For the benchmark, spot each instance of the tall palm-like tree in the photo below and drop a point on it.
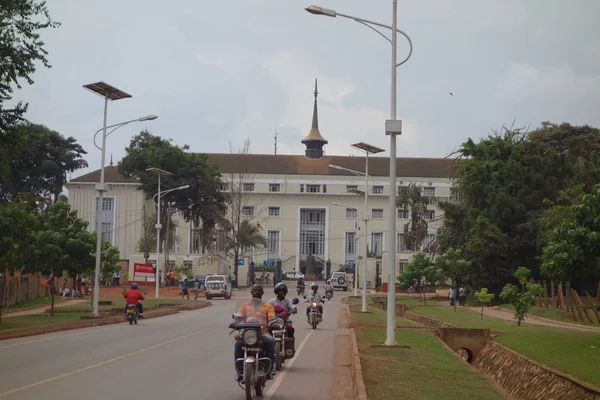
(411, 198)
(246, 235)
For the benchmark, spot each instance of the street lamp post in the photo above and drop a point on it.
(108, 93)
(368, 149)
(356, 241)
(393, 127)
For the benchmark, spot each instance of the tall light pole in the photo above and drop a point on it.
(356, 241)
(368, 149)
(393, 127)
(108, 93)
(158, 227)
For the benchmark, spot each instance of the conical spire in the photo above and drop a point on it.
(314, 135)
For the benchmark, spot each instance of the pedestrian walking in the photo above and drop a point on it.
(461, 295)
(196, 289)
(451, 296)
(184, 289)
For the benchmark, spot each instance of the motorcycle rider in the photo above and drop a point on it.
(281, 291)
(134, 296)
(328, 288)
(257, 309)
(300, 285)
(314, 297)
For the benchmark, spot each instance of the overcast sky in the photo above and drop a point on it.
(221, 71)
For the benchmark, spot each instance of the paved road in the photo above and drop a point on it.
(186, 354)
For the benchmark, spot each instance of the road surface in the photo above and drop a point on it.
(189, 354)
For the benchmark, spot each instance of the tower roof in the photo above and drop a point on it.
(314, 135)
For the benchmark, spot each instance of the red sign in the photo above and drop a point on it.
(143, 270)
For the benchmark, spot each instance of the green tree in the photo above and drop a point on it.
(573, 249)
(246, 235)
(18, 224)
(21, 49)
(109, 259)
(484, 298)
(42, 164)
(420, 269)
(523, 298)
(411, 198)
(453, 266)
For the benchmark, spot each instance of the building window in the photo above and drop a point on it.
(313, 188)
(274, 187)
(350, 247)
(402, 264)
(376, 243)
(273, 211)
(350, 212)
(248, 187)
(377, 213)
(172, 238)
(351, 187)
(377, 189)
(301, 188)
(324, 188)
(428, 239)
(108, 219)
(273, 244)
(428, 191)
(188, 264)
(430, 214)
(400, 243)
(402, 214)
(248, 211)
(224, 187)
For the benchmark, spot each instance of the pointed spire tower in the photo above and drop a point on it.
(314, 141)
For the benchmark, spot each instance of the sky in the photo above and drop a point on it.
(217, 72)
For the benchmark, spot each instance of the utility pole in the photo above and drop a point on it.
(145, 236)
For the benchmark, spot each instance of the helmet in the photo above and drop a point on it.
(134, 285)
(280, 286)
(314, 286)
(328, 280)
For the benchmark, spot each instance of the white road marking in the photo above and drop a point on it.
(283, 373)
(112, 360)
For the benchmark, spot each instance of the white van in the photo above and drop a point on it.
(217, 286)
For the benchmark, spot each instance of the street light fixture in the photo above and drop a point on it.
(108, 93)
(393, 127)
(356, 241)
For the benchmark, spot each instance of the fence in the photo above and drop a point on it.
(19, 288)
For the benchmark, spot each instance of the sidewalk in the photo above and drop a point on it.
(42, 309)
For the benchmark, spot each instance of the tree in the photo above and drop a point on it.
(420, 269)
(453, 266)
(200, 204)
(109, 260)
(573, 249)
(411, 198)
(523, 298)
(20, 50)
(484, 298)
(237, 221)
(18, 223)
(41, 164)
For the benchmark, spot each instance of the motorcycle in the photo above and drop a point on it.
(314, 316)
(256, 365)
(300, 290)
(329, 295)
(284, 345)
(132, 314)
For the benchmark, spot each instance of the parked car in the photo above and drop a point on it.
(293, 274)
(339, 280)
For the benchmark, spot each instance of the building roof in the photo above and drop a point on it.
(284, 164)
(111, 175)
(314, 135)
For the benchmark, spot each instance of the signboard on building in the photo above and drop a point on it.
(143, 271)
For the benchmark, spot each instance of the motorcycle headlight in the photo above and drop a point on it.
(314, 304)
(250, 338)
(280, 324)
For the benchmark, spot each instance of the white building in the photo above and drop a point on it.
(291, 197)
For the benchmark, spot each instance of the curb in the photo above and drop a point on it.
(19, 333)
(359, 391)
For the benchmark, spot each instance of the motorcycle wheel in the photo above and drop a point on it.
(130, 321)
(278, 356)
(135, 321)
(314, 323)
(249, 380)
(258, 387)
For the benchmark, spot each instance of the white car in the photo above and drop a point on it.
(294, 275)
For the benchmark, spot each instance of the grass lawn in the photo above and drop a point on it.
(559, 315)
(377, 317)
(428, 370)
(38, 302)
(31, 321)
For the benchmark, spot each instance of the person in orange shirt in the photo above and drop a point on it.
(261, 312)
